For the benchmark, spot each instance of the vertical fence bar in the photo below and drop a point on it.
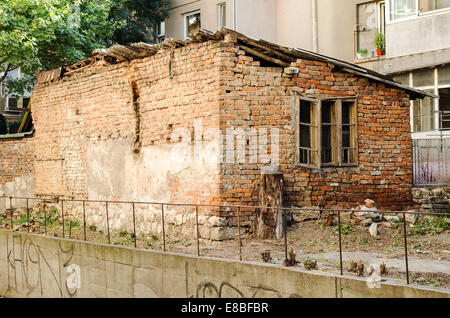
(45, 219)
(163, 230)
(239, 232)
(285, 235)
(11, 213)
(62, 213)
(406, 248)
(84, 220)
(107, 222)
(134, 226)
(198, 233)
(28, 217)
(340, 242)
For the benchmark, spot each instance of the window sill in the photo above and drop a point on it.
(327, 167)
(370, 59)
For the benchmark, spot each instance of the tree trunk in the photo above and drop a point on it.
(269, 222)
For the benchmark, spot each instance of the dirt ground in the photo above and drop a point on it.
(428, 245)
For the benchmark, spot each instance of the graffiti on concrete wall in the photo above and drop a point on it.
(30, 271)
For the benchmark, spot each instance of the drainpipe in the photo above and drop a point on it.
(233, 12)
(315, 29)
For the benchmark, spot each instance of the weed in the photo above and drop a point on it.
(430, 225)
(364, 241)
(345, 229)
(436, 282)
(21, 220)
(291, 239)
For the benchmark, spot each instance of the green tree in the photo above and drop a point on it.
(141, 16)
(38, 35)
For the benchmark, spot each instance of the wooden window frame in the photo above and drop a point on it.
(318, 136)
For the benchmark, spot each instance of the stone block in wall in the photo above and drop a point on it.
(306, 213)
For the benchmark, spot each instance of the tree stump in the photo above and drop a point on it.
(269, 223)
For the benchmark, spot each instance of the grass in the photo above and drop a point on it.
(430, 225)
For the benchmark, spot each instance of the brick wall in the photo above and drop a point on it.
(260, 97)
(105, 132)
(110, 127)
(16, 159)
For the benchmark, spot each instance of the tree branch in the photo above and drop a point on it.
(5, 74)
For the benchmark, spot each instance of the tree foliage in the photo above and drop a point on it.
(141, 16)
(37, 35)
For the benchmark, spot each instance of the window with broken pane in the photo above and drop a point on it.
(193, 23)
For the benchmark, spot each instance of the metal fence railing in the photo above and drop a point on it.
(77, 217)
(431, 162)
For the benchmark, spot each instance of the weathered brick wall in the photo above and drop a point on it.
(16, 170)
(106, 132)
(260, 97)
(16, 159)
(110, 127)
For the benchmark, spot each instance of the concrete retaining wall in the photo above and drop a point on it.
(37, 266)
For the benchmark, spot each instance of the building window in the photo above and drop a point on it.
(160, 32)
(222, 15)
(424, 115)
(429, 113)
(326, 134)
(370, 21)
(400, 9)
(444, 75)
(192, 22)
(431, 5)
(444, 108)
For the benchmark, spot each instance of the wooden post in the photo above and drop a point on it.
(269, 222)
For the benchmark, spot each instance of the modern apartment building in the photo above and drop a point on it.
(416, 38)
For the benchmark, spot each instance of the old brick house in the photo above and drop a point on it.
(105, 126)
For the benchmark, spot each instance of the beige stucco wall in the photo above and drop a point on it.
(209, 15)
(336, 19)
(286, 22)
(257, 18)
(38, 266)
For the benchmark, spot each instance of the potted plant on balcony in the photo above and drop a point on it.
(362, 53)
(379, 44)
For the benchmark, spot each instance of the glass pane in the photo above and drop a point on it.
(416, 116)
(423, 77)
(402, 9)
(328, 113)
(444, 75)
(424, 114)
(441, 4)
(305, 136)
(444, 107)
(402, 78)
(430, 5)
(305, 111)
(367, 29)
(428, 113)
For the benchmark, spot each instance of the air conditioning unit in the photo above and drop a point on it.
(16, 105)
